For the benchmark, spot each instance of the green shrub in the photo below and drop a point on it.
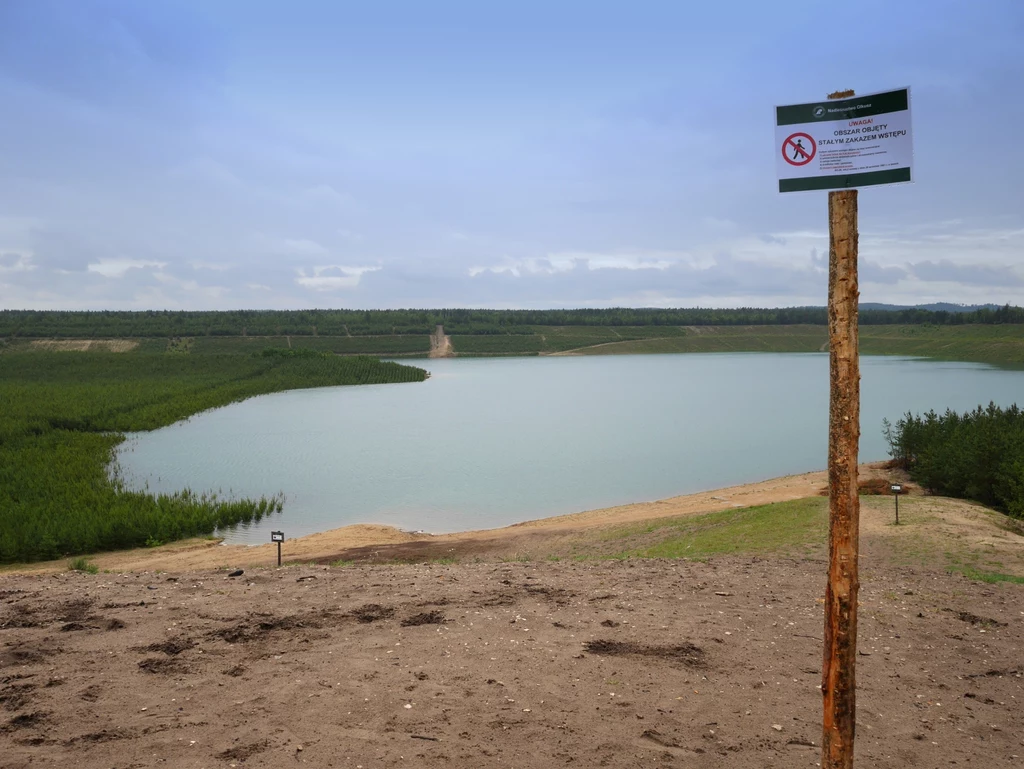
(83, 564)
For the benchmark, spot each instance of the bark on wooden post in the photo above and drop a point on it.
(838, 679)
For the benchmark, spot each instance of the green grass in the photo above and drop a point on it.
(999, 344)
(496, 344)
(83, 564)
(991, 577)
(722, 339)
(774, 528)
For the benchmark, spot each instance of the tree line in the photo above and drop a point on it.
(166, 323)
(976, 455)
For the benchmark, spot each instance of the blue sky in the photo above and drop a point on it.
(219, 154)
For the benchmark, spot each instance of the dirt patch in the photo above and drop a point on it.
(244, 752)
(974, 619)
(162, 666)
(440, 344)
(16, 697)
(425, 618)
(26, 721)
(172, 646)
(685, 653)
(71, 627)
(556, 594)
(75, 611)
(19, 616)
(23, 653)
(101, 736)
(258, 627)
(85, 345)
(372, 612)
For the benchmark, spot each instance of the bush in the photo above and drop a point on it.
(83, 564)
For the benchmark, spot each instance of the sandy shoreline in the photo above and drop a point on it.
(211, 554)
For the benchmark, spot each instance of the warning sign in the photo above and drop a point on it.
(845, 143)
(799, 149)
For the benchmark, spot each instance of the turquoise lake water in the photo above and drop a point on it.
(489, 442)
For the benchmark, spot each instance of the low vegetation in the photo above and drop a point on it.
(64, 413)
(83, 564)
(978, 455)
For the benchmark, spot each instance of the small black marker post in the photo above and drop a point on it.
(278, 537)
(896, 490)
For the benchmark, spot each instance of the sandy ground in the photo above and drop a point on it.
(440, 345)
(509, 664)
(610, 663)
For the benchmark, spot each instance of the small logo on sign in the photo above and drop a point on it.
(819, 111)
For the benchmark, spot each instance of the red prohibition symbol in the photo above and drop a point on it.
(798, 153)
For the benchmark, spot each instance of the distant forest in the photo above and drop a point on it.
(165, 323)
(111, 324)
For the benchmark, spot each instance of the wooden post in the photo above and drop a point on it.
(838, 679)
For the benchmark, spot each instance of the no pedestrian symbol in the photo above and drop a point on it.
(799, 149)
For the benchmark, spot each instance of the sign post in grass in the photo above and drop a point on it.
(838, 145)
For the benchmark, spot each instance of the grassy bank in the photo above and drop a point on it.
(64, 413)
(780, 527)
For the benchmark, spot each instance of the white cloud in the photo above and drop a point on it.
(212, 266)
(627, 263)
(15, 261)
(331, 277)
(562, 262)
(117, 268)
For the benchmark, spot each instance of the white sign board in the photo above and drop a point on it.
(844, 143)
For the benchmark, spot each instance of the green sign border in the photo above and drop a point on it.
(840, 182)
(844, 109)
